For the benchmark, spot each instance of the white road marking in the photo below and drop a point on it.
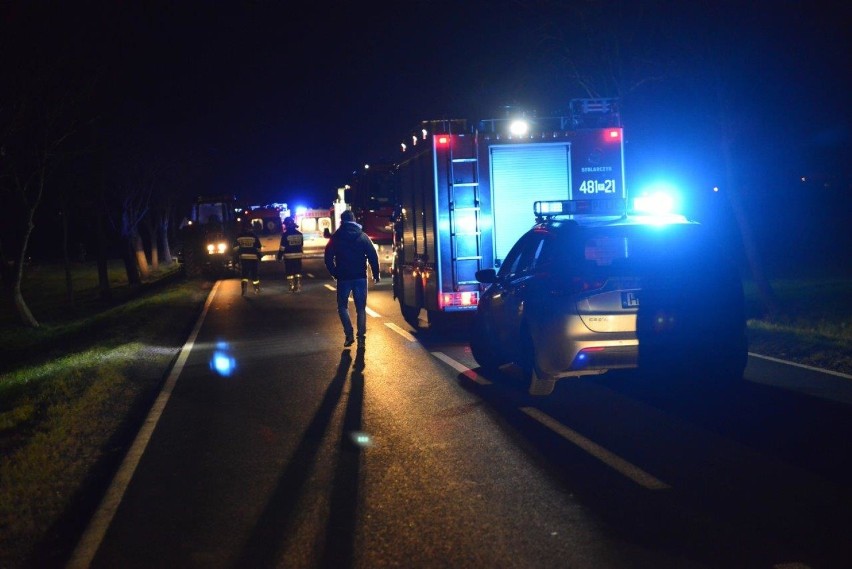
(612, 460)
(370, 311)
(97, 528)
(803, 366)
(400, 331)
(461, 368)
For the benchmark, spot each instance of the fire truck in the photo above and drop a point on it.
(372, 198)
(465, 190)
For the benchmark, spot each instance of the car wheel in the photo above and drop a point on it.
(482, 346)
(540, 383)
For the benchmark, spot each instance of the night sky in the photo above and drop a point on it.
(279, 103)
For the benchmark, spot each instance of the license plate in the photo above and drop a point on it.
(629, 299)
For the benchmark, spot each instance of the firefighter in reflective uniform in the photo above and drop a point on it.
(247, 248)
(292, 251)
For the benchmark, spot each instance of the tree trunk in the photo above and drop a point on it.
(27, 317)
(764, 287)
(163, 229)
(155, 248)
(6, 279)
(130, 264)
(139, 254)
(66, 261)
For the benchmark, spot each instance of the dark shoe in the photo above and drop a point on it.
(348, 342)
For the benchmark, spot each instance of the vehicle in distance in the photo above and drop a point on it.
(583, 293)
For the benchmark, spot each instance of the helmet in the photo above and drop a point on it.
(289, 222)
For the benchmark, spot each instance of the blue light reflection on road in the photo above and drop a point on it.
(222, 362)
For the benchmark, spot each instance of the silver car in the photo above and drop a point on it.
(580, 295)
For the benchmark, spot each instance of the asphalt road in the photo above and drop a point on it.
(272, 446)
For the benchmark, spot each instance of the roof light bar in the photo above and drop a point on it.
(610, 206)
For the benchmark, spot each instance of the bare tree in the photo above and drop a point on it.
(35, 129)
(603, 45)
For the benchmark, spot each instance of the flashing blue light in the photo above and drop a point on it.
(658, 199)
(221, 361)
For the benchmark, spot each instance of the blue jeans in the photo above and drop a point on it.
(358, 289)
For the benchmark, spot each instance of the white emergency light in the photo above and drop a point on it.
(519, 127)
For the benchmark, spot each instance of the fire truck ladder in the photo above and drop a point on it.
(464, 202)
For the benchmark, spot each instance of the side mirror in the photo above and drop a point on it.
(486, 276)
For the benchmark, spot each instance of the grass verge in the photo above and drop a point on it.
(72, 395)
(814, 328)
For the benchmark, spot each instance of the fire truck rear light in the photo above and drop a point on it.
(462, 299)
(443, 140)
(613, 134)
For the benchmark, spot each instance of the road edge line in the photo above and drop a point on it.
(803, 366)
(92, 537)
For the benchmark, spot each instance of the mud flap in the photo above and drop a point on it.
(541, 386)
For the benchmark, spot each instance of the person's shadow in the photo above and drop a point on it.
(345, 494)
(269, 536)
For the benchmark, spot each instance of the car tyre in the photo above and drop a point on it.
(540, 384)
(482, 346)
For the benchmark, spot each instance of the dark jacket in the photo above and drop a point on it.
(348, 252)
(292, 244)
(247, 246)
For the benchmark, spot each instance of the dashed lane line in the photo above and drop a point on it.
(401, 331)
(370, 311)
(612, 460)
(464, 370)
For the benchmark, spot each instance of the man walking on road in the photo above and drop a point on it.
(346, 256)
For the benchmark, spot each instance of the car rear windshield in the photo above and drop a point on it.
(637, 249)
